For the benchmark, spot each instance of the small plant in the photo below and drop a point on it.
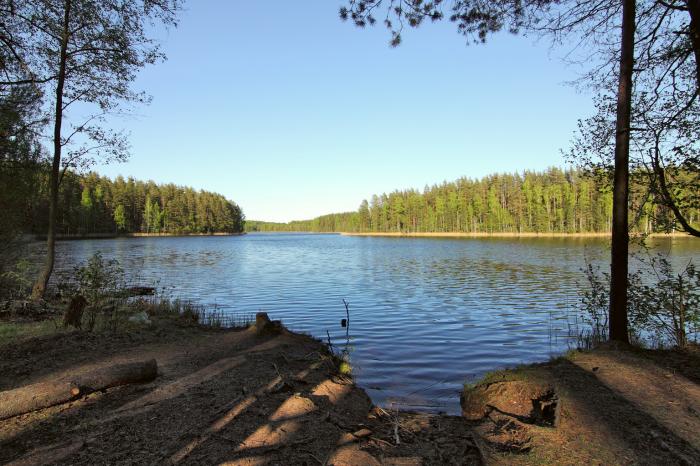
(192, 313)
(595, 301)
(102, 284)
(342, 358)
(17, 281)
(100, 278)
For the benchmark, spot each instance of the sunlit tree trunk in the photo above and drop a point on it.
(620, 233)
(45, 275)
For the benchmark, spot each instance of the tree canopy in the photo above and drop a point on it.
(553, 201)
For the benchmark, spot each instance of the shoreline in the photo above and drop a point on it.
(501, 235)
(279, 394)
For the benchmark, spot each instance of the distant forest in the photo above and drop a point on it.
(553, 201)
(92, 204)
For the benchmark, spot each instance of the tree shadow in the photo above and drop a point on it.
(595, 423)
(244, 403)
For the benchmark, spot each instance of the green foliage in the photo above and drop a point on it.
(12, 332)
(102, 283)
(595, 302)
(669, 307)
(90, 204)
(120, 218)
(663, 304)
(554, 201)
(20, 156)
(16, 282)
(99, 278)
(191, 313)
(85, 54)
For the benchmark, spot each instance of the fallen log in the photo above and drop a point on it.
(140, 291)
(45, 394)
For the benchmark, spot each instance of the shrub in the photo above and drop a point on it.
(100, 278)
(102, 283)
(669, 307)
(663, 304)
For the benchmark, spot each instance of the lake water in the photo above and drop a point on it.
(426, 314)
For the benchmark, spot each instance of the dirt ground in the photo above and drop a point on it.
(221, 397)
(608, 406)
(238, 398)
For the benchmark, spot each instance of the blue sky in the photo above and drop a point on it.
(292, 113)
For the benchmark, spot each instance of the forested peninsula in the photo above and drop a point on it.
(553, 201)
(91, 204)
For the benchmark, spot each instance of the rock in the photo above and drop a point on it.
(362, 433)
(529, 402)
(351, 456)
(140, 318)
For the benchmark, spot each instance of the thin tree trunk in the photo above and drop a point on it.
(45, 275)
(620, 233)
(668, 198)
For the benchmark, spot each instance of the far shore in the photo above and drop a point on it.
(130, 235)
(393, 234)
(502, 235)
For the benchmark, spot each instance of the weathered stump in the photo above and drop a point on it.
(526, 401)
(265, 326)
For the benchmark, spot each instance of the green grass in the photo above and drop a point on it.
(11, 332)
(518, 372)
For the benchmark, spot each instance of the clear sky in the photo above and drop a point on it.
(292, 113)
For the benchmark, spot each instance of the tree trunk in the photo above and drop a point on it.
(45, 275)
(694, 11)
(43, 395)
(620, 232)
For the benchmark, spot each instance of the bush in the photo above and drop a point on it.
(100, 278)
(102, 284)
(663, 305)
(669, 307)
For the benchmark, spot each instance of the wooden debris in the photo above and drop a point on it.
(45, 394)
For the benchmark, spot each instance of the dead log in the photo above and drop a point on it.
(45, 394)
(140, 291)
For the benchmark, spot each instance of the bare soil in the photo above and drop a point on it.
(221, 397)
(607, 406)
(235, 397)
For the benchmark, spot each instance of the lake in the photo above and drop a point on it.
(427, 314)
